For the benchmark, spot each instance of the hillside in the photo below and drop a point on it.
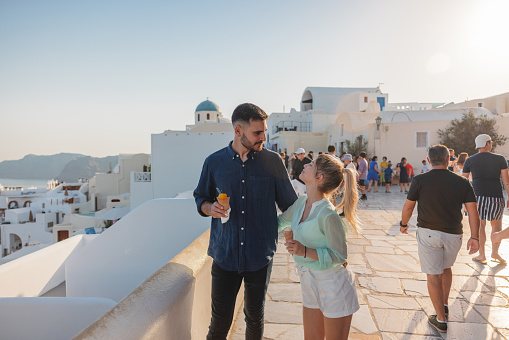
(64, 167)
(86, 167)
(37, 167)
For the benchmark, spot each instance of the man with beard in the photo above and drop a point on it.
(243, 240)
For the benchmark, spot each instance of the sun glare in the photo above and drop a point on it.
(490, 27)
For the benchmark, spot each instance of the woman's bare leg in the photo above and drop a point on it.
(313, 324)
(337, 328)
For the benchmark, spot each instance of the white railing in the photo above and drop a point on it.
(142, 176)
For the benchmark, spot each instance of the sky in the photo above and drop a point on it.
(99, 77)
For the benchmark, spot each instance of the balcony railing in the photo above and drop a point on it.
(142, 176)
(292, 126)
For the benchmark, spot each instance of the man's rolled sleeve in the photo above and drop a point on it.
(205, 189)
(285, 194)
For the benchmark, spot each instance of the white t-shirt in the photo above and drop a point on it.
(425, 168)
(351, 166)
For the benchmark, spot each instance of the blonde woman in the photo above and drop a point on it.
(329, 295)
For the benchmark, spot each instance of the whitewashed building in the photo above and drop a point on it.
(106, 189)
(411, 106)
(316, 125)
(177, 156)
(333, 116)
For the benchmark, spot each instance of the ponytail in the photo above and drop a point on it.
(335, 176)
(350, 198)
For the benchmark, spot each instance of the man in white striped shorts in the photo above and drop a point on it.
(487, 168)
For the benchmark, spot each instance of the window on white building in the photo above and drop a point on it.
(365, 99)
(479, 104)
(198, 117)
(208, 116)
(421, 140)
(342, 129)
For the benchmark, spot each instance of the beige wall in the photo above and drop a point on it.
(400, 140)
(503, 128)
(499, 103)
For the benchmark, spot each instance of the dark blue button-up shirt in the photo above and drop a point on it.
(248, 241)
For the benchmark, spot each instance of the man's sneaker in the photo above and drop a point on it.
(439, 326)
(446, 311)
(364, 197)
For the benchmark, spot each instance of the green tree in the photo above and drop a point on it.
(460, 133)
(356, 146)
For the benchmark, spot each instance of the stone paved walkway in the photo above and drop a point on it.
(392, 289)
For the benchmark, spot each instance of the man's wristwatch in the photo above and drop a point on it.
(402, 225)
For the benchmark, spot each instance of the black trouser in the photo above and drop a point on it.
(225, 287)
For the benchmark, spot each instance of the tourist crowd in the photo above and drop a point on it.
(310, 191)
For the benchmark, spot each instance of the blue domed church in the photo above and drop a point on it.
(207, 111)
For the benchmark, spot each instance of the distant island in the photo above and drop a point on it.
(66, 167)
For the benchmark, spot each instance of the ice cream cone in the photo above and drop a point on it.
(288, 232)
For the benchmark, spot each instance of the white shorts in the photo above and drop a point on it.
(437, 250)
(332, 291)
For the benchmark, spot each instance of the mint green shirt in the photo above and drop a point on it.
(323, 230)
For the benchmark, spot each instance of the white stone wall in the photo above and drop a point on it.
(105, 185)
(140, 192)
(203, 116)
(321, 121)
(35, 274)
(50, 317)
(177, 295)
(135, 247)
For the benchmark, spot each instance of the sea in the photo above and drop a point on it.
(25, 183)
